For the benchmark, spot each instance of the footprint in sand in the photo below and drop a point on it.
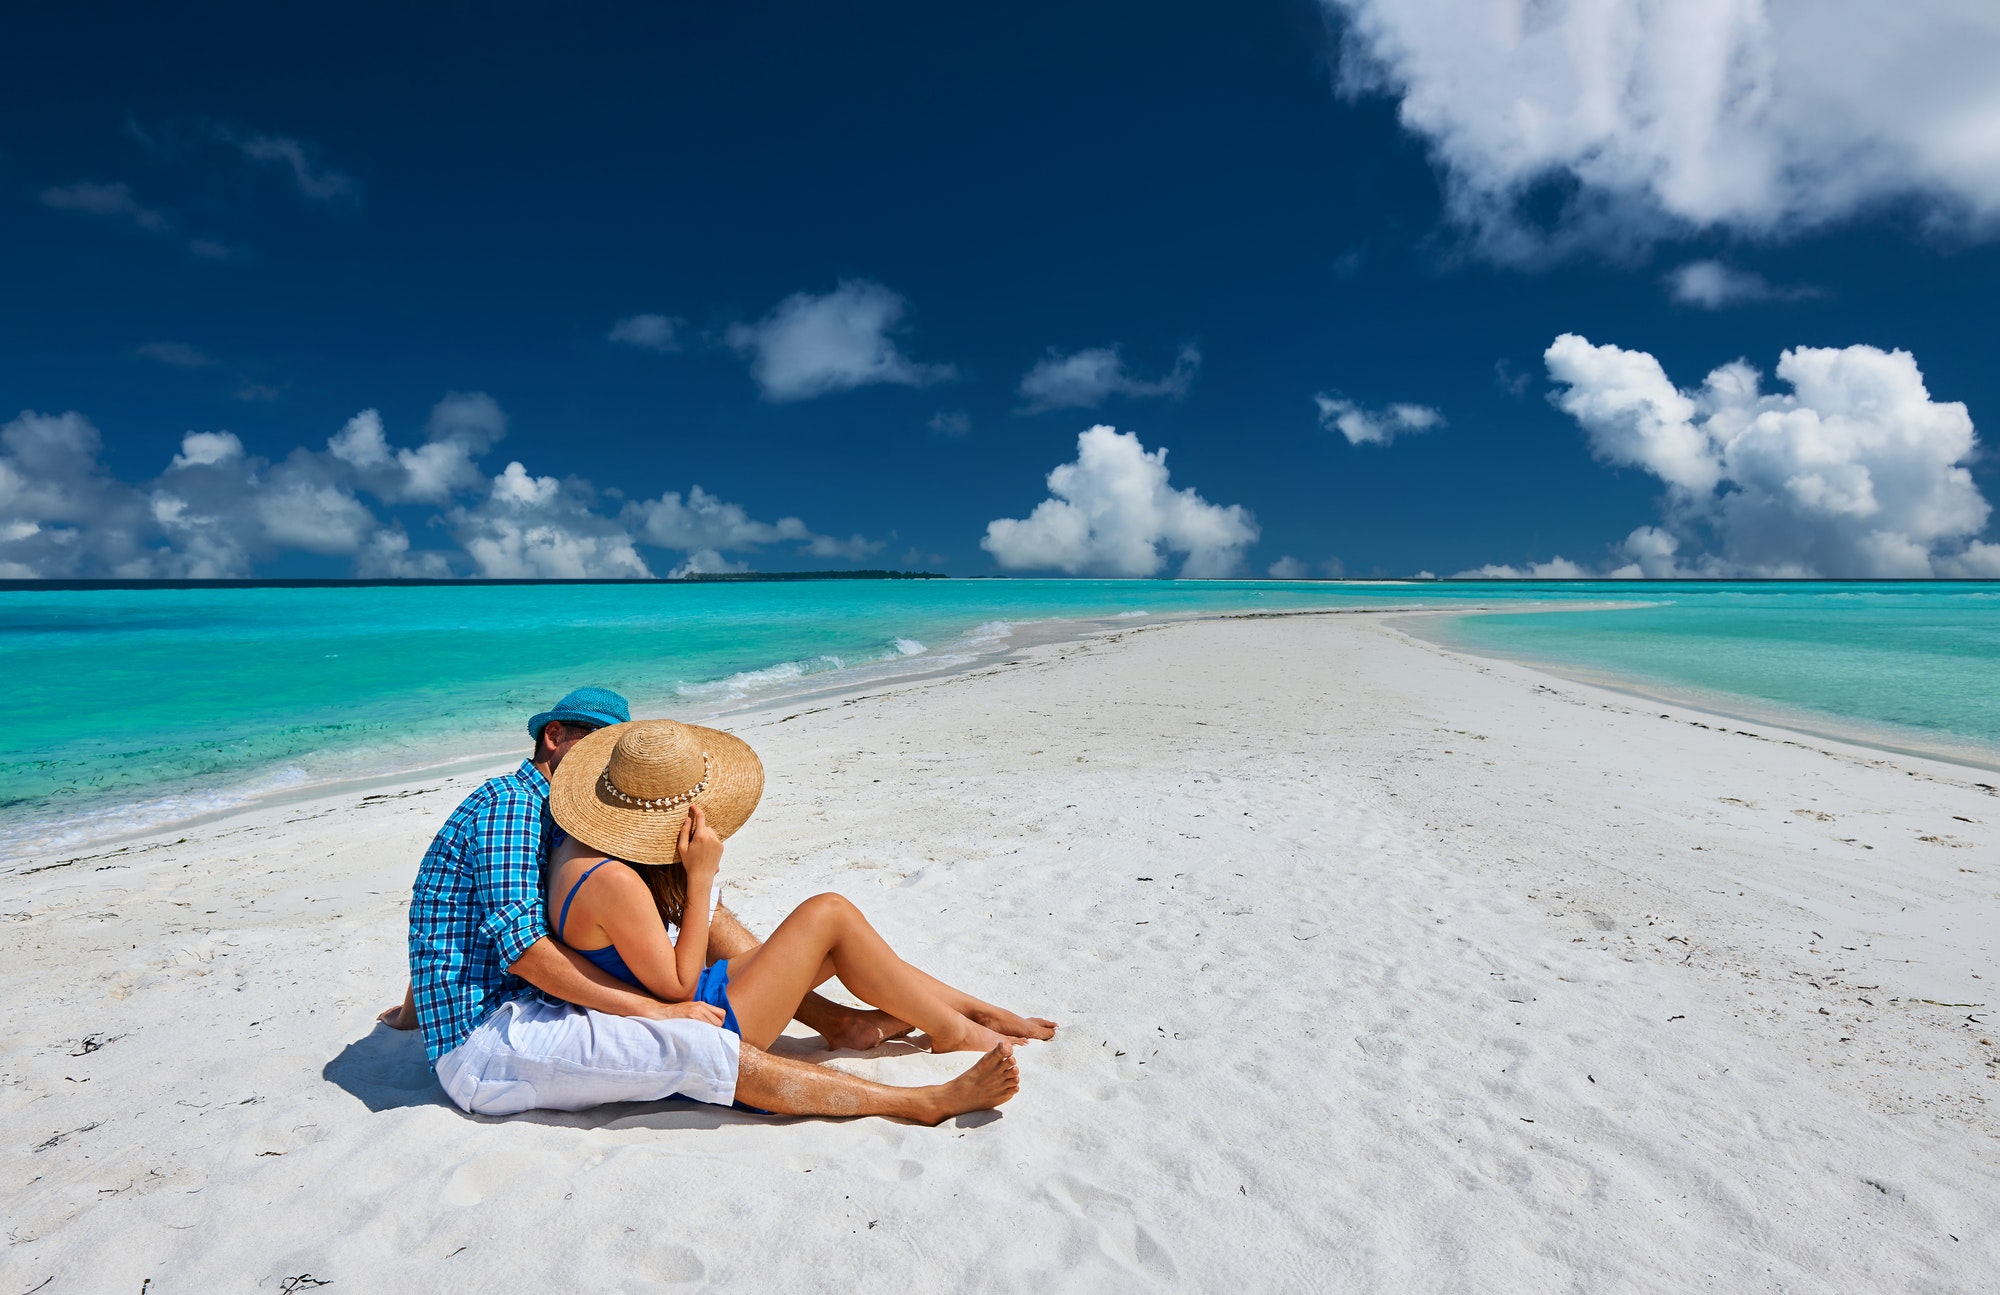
(1117, 1230)
(667, 1264)
(489, 1175)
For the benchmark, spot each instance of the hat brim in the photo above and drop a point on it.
(582, 807)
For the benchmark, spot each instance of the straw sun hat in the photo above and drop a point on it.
(626, 789)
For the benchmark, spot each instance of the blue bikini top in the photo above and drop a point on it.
(606, 957)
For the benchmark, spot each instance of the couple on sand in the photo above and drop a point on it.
(589, 874)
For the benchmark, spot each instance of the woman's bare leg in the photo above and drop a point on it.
(997, 1019)
(829, 933)
(842, 1026)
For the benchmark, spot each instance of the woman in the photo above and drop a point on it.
(643, 808)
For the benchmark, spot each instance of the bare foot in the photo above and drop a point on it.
(1001, 1021)
(993, 1079)
(973, 1038)
(398, 1019)
(861, 1030)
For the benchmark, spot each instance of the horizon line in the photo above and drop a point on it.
(88, 584)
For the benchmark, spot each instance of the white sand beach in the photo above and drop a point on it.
(1379, 967)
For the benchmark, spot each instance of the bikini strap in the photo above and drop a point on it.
(563, 921)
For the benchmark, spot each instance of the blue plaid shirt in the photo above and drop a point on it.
(478, 906)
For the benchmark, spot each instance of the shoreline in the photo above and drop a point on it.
(1734, 707)
(965, 654)
(976, 649)
(1017, 638)
(1933, 765)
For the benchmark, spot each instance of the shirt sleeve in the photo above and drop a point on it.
(507, 875)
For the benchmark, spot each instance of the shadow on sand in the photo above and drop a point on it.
(387, 1071)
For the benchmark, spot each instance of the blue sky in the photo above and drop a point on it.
(810, 260)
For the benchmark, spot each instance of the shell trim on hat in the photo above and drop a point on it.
(626, 790)
(662, 802)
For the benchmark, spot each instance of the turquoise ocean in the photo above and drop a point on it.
(134, 709)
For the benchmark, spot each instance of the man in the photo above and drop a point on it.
(480, 948)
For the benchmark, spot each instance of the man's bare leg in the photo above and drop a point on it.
(403, 1016)
(787, 1087)
(842, 1026)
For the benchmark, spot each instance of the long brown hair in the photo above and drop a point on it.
(669, 884)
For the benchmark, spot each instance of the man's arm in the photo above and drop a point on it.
(507, 878)
(561, 972)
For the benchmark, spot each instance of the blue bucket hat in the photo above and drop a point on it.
(597, 707)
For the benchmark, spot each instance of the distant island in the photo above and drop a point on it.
(815, 575)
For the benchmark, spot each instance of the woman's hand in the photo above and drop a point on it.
(701, 850)
(706, 1013)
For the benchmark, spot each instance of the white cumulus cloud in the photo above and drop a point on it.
(462, 427)
(221, 510)
(1373, 426)
(61, 513)
(205, 449)
(1112, 512)
(703, 521)
(213, 512)
(1854, 472)
(299, 512)
(387, 556)
(812, 345)
(706, 562)
(531, 527)
(1086, 379)
(218, 510)
(657, 333)
(1764, 117)
(1291, 568)
(702, 524)
(1715, 286)
(853, 548)
(1559, 568)
(362, 443)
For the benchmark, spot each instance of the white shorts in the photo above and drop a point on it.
(536, 1055)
